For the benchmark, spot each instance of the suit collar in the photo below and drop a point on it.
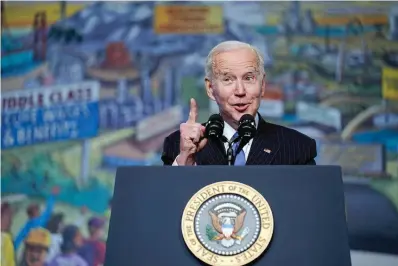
(266, 144)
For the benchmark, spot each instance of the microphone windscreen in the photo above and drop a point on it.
(247, 128)
(246, 117)
(214, 126)
(216, 118)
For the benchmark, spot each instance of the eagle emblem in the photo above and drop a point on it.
(227, 220)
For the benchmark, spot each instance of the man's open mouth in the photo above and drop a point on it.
(241, 106)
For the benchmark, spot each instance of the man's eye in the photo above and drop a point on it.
(226, 79)
(249, 77)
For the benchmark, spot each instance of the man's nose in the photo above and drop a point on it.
(240, 89)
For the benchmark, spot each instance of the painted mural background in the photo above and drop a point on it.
(90, 86)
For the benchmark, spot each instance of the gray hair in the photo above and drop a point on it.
(229, 46)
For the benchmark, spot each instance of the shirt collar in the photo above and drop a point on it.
(230, 131)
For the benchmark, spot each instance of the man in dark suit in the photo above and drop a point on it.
(235, 79)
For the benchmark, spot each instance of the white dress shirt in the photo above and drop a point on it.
(229, 132)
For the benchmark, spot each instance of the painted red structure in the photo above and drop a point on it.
(117, 56)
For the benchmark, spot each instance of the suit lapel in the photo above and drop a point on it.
(213, 153)
(265, 146)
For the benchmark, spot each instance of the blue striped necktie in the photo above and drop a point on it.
(240, 157)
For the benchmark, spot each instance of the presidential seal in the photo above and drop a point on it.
(227, 223)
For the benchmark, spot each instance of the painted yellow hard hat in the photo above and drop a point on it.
(39, 237)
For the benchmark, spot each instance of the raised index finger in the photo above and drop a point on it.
(193, 112)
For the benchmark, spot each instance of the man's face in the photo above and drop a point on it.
(35, 255)
(236, 85)
(36, 212)
(100, 233)
(78, 240)
(6, 220)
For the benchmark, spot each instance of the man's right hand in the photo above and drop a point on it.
(191, 137)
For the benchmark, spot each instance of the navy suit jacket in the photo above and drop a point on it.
(284, 146)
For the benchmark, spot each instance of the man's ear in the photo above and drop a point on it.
(263, 85)
(209, 89)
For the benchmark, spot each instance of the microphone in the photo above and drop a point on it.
(247, 127)
(215, 130)
(214, 127)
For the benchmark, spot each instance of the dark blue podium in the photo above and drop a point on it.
(307, 204)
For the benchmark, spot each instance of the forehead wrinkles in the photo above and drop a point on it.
(221, 65)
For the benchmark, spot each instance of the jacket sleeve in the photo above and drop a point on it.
(170, 150)
(312, 154)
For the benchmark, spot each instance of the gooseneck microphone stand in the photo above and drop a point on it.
(230, 153)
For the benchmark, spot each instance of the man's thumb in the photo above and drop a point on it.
(202, 143)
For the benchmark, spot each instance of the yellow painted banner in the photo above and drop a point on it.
(366, 19)
(20, 14)
(188, 19)
(390, 83)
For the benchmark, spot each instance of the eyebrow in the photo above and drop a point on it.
(225, 73)
(252, 72)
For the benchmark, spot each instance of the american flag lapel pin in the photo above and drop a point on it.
(267, 150)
